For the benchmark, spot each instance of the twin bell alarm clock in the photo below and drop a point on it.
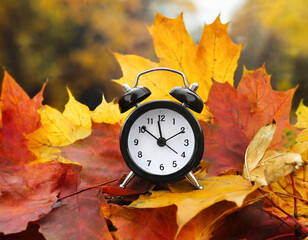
(161, 140)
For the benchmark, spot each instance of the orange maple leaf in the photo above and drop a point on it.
(19, 117)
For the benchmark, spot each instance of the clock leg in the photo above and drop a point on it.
(128, 178)
(190, 176)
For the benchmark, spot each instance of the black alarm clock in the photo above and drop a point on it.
(161, 140)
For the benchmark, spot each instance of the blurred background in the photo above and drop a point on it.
(70, 42)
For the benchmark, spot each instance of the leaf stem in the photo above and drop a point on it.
(303, 227)
(289, 195)
(88, 188)
(294, 194)
(282, 236)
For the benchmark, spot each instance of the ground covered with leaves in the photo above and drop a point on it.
(60, 172)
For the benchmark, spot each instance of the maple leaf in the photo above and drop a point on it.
(83, 137)
(60, 129)
(238, 115)
(77, 217)
(251, 223)
(302, 122)
(28, 187)
(281, 193)
(99, 154)
(214, 58)
(19, 117)
(190, 203)
(28, 192)
(201, 226)
(153, 223)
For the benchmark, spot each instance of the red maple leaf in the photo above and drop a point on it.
(238, 114)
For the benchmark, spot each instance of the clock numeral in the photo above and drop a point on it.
(150, 120)
(161, 167)
(174, 164)
(149, 162)
(161, 118)
(183, 129)
(186, 142)
(141, 129)
(183, 155)
(136, 141)
(173, 121)
(139, 154)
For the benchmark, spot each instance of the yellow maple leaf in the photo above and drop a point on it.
(216, 189)
(62, 129)
(281, 193)
(215, 58)
(107, 113)
(302, 122)
(301, 147)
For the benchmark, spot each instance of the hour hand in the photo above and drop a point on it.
(182, 131)
(144, 128)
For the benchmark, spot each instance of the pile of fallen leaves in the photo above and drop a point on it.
(60, 172)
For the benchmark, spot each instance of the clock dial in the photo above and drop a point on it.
(161, 141)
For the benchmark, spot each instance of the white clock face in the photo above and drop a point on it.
(161, 141)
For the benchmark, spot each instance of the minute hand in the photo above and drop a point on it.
(182, 131)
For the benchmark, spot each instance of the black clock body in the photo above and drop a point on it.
(161, 141)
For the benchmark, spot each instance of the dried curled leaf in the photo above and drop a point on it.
(277, 165)
(264, 167)
(257, 147)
